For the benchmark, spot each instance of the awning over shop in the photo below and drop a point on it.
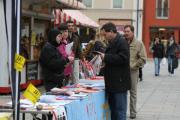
(74, 15)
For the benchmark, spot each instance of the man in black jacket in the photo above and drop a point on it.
(116, 72)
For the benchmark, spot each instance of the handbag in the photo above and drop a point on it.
(175, 62)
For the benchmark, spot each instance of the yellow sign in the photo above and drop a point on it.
(32, 93)
(19, 62)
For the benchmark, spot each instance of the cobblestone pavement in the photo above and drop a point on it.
(158, 97)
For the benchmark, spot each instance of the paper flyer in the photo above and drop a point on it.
(69, 48)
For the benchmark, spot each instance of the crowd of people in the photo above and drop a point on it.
(123, 57)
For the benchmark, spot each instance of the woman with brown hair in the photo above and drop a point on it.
(158, 54)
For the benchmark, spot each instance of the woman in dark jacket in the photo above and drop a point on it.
(171, 54)
(52, 62)
(158, 54)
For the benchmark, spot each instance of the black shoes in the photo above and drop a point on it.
(133, 117)
(156, 74)
(140, 79)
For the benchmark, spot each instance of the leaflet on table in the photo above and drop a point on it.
(91, 81)
(83, 88)
(24, 103)
(53, 105)
(92, 84)
(88, 90)
(74, 96)
(61, 91)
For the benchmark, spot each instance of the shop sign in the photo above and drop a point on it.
(31, 70)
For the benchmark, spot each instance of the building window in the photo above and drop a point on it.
(117, 3)
(87, 3)
(162, 8)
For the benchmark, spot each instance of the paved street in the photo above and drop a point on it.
(158, 97)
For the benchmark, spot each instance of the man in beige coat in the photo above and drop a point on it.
(137, 59)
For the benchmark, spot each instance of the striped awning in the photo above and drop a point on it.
(61, 16)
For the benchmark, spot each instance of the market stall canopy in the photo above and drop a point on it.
(61, 16)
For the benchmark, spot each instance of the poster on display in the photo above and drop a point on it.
(31, 70)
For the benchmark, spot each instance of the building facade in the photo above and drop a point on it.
(161, 19)
(120, 12)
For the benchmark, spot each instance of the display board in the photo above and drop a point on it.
(31, 70)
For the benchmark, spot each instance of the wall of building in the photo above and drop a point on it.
(107, 14)
(123, 15)
(107, 4)
(150, 19)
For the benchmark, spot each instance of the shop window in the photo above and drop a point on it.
(87, 3)
(162, 8)
(117, 3)
(39, 43)
(24, 47)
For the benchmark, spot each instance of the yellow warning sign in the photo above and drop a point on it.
(32, 93)
(19, 62)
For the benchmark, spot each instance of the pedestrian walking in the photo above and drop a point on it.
(137, 60)
(158, 54)
(116, 71)
(171, 55)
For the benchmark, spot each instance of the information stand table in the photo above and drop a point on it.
(92, 107)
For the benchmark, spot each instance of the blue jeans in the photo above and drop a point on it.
(118, 105)
(157, 62)
(170, 67)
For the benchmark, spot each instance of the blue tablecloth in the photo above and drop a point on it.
(94, 107)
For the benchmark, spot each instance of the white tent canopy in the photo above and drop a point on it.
(4, 76)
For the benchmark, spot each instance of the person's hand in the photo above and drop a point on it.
(101, 54)
(71, 59)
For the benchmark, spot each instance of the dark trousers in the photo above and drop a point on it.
(170, 65)
(118, 105)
